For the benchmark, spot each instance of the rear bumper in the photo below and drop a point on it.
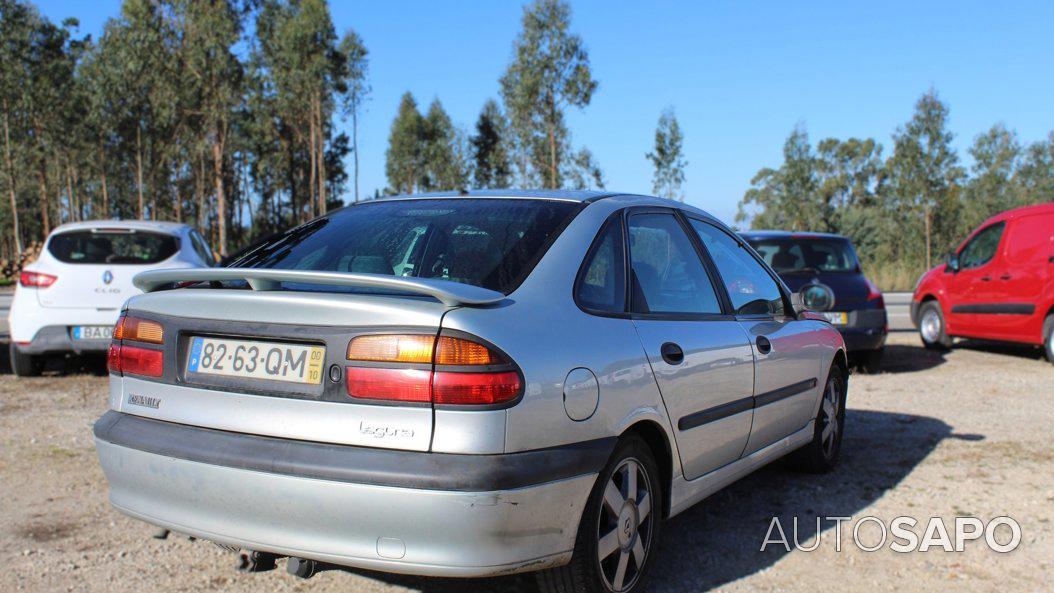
(57, 338)
(404, 512)
(866, 330)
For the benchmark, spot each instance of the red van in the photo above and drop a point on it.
(998, 285)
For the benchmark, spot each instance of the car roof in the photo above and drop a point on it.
(542, 194)
(789, 235)
(567, 195)
(1047, 208)
(171, 228)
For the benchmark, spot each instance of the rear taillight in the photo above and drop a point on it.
(125, 358)
(874, 294)
(36, 279)
(389, 367)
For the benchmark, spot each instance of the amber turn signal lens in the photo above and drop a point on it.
(392, 348)
(457, 351)
(139, 330)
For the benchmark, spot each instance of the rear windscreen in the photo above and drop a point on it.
(493, 243)
(112, 247)
(788, 255)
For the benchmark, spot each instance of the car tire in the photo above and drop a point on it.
(592, 570)
(25, 365)
(870, 361)
(1048, 337)
(822, 453)
(932, 329)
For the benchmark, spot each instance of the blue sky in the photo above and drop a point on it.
(740, 75)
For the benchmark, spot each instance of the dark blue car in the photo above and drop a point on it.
(825, 270)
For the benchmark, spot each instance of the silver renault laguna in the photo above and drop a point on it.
(466, 385)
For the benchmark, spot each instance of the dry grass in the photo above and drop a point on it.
(894, 276)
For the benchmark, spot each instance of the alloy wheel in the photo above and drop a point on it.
(625, 526)
(832, 418)
(930, 326)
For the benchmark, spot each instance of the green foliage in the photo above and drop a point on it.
(404, 159)
(904, 211)
(492, 164)
(549, 72)
(668, 158)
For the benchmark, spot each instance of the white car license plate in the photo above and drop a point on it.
(92, 332)
(837, 318)
(292, 363)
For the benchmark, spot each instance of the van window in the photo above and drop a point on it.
(1031, 240)
(116, 246)
(981, 249)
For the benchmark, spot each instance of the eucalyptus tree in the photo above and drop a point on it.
(355, 88)
(404, 158)
(444, 156)
(786, 197)
(925, 177)
(549, 72)
(491, 155)
(991, 189)
(667, 158)
(1034, 177)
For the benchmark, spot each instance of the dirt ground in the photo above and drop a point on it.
(965, 433)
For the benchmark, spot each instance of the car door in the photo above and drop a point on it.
(973, 297)
(1022, 273)
(787, 379)
(700, 356)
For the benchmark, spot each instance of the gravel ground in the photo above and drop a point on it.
(966, 433)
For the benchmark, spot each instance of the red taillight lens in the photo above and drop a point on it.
(113, 357)
(475, 388)
(403, 385)
(36, 279)
(125, 359)
(873, 293)
(405, 380)
(141, 361)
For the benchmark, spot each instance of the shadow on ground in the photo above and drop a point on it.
(718, 540)
(69, 364)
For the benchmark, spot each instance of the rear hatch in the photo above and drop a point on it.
(94, 267)
(303, 324)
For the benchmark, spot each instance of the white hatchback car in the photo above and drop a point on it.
(69, 299)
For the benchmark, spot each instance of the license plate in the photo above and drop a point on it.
(92, 332)
(251, 359)
(837, 318)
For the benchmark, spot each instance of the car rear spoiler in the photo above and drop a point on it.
(447, 292)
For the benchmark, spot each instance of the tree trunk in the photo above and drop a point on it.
(926, 214)
(221, 199)
(321, 155)
(71, 199)
(199, 188)
(355, 143)
(311, 190)
(139, 167)
(11, 182)
(42, 177)
(105, 190)
(552, 144)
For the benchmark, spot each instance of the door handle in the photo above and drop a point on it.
(764, 345)
(1005, 277)
(986, 278)
(672, 353)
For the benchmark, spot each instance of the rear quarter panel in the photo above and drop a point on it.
(542, 329)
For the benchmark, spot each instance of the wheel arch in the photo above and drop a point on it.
(657, 440)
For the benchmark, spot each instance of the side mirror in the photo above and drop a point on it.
(952, 261)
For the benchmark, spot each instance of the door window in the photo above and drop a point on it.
(981, 249)
(601, 284)
(667, 274)
(750, 287)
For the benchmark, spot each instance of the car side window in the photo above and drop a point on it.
(981, 249)
(750, 287)
(602, 283)
(667, 275)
